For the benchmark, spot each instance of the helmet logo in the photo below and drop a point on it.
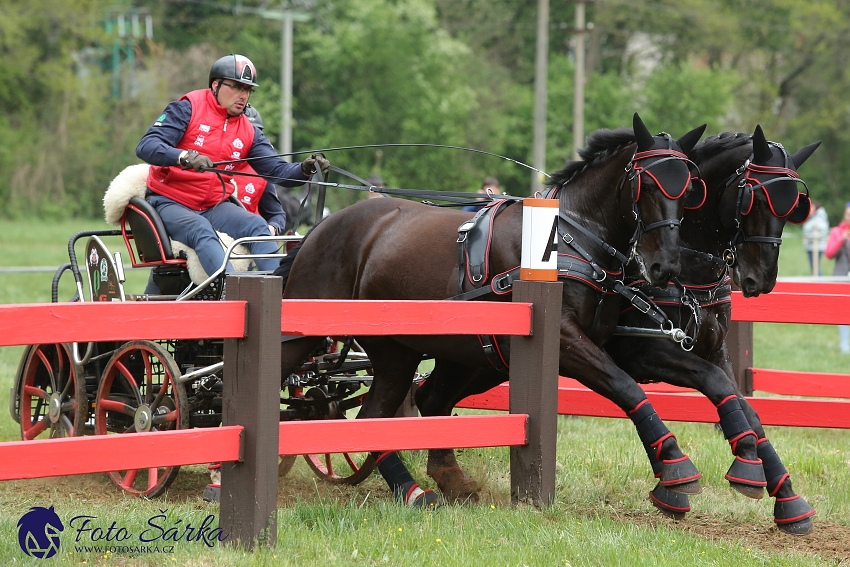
(245, 69)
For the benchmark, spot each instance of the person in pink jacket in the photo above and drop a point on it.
(838, 247)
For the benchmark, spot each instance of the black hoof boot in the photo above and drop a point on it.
(747, 477)
(417, 498)
(671, 504)
(680, 475)
(793, 515)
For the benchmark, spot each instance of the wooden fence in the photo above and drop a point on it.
(251, 436)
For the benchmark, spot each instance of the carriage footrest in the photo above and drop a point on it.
(212, 493)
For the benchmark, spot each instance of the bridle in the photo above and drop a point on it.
(749, 181)
(636, 169)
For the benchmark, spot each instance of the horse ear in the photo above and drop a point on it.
(645, 141)
(689, 140)
(761, 149)
(805, 153)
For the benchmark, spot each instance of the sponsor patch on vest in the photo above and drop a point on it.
(250, 188)
(229, 166)
(237, 143)
(204, 128)
(246, 199)
(235, 155)
(199, 141)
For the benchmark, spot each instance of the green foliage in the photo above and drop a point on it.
(456, 72)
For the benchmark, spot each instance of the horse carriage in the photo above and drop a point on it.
(101, 388)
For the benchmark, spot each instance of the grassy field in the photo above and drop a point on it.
(601, 515)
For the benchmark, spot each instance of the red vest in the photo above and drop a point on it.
(211, 132)
(250, 189)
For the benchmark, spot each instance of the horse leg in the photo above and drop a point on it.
(669, 363)
(791, 512)
(394, 366)
(438, 396)
(594, 368)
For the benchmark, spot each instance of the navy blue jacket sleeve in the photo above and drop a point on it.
(157, 146)
(270, 208)
(273, 166)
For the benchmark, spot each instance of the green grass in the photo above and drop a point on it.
(600, 517)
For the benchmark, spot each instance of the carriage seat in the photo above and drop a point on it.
(124, 205)
(148, 232)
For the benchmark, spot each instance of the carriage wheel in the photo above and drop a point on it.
(52, 399)
(285, 463)
(341, 468)
(140, 392)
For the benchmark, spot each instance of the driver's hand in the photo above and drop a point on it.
(196, 161)
(309, 165)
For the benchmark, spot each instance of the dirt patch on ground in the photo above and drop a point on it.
(829, 541)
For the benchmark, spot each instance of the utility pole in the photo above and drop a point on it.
(286, 84)
(286, 18)
(578, 87)
(540, 78)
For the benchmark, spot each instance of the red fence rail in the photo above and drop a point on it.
(248, 442)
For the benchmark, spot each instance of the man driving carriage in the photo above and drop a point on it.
(186, 188)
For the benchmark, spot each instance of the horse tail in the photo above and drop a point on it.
(286, 263)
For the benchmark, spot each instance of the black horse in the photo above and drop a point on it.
(397, 249)
(751, 192)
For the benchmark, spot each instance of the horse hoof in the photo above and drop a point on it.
(680, 475)
(803, 527)
(691, 487)
(747, 477)
(754, 492)
(793, 515)
(671, 504)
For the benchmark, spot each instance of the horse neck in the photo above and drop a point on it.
(701, 228)
(595, 199)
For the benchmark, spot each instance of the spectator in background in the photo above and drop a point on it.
(375, 181)
(838, 247)
(815, 233)
(490, 186)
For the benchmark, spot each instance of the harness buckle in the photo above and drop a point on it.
(640, 304)
(568, 235)
(461, 237)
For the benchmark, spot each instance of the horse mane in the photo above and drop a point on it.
(714, 145)
(285, 266)
(600, 145)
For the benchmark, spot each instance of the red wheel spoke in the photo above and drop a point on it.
(129, 478)
(36, 430)
(169, 417)
(153, 478)
(351, 462)
(127, 376)
(121, 407)
(68, 426)
(48, 367)
(148, 376)
(36, 392)
(161, 394)
(329, 464)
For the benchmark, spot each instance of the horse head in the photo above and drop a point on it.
(660, 177)
(754, 206)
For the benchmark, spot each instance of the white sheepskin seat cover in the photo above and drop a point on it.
(131, 183)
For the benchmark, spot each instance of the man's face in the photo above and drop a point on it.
(847, 215)
(232, 95)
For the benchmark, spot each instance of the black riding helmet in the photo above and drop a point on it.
(253, 115)
(236, 68)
